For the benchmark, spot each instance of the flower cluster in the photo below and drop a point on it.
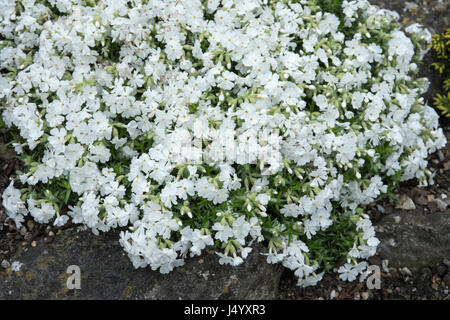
(189, 124)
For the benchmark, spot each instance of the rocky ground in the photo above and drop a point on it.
(413, 255)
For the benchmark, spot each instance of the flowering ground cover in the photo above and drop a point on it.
(195, 124)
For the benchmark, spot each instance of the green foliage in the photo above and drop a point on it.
(332, 6)
(441, 46)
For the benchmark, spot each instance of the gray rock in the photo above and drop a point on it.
(107, 273)
(5, 264)
(421, 239)
(405, 203)
(447, 262)
(421, 200)
(437, 205)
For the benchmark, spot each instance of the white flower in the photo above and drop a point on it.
(310, 280)
(241, 229)
(44, 213)
(205, 189)
(61, 220)
(199, 242)
(291, 210)
(400, 45)
(329, 24)
(15, 207)
(16, 265)
(348, 272)
(223, 233)
(234, 261)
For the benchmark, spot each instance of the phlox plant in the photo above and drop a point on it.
(190, 124)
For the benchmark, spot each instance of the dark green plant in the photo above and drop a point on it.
(441, 46)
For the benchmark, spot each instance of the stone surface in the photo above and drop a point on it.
(405, 203)
(437, 205)
(418, 240)
(107, 273)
